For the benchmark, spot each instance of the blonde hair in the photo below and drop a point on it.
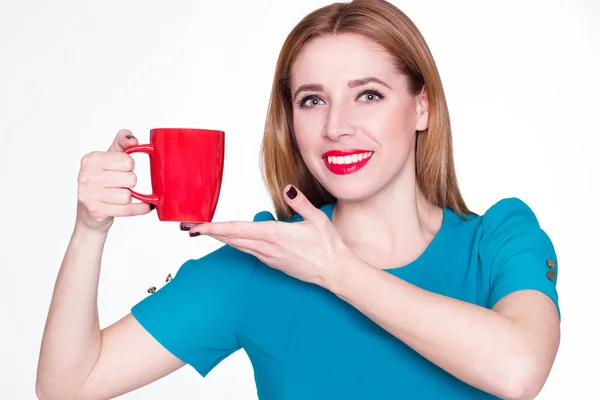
(386, 25)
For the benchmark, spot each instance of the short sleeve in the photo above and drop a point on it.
(194, 316)
(518, 252)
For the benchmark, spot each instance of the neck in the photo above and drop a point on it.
(397, 223)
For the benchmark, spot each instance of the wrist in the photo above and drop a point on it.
(82, 229)
(342, 272)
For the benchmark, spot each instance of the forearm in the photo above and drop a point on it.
(72, 339)
(477, 345)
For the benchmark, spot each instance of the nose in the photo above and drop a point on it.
(338, 123)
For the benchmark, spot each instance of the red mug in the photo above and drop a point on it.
(186, 171)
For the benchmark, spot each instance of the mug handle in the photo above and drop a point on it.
(148, 149)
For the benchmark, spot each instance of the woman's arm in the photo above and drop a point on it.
(77, 359)
(507, 351)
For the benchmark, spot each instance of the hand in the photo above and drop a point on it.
(103, 185)
(311, 250)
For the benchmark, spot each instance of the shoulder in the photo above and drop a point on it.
(506, 228)
(509, 211)
(516, 253)
(511, 222)
(504, 217)
(510, 228)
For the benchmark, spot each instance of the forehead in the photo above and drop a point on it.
(340, 58)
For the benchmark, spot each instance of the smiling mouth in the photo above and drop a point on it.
(343, 162)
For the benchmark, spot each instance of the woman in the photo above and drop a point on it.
(375, 282)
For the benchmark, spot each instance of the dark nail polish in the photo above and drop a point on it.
(152, 207)
(184, 228)
(130, 137)
(292, 193)
(194, 234)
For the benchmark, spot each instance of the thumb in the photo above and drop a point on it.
(123, 140)
(299, 203)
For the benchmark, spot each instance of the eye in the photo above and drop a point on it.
(310, 101)
(369, 96)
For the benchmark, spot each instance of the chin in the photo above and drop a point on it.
(352, 190)
(357, 186)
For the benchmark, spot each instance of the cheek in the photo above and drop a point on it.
(393, 123)
(307, 129)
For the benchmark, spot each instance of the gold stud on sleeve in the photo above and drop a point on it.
(152, 289)
(551, 275)
(550, 263)
(169, 277)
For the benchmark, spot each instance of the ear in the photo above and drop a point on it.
(422, 103)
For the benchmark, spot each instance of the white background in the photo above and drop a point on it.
(521, 78)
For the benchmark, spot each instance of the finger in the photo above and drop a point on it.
(123, 140)
(107, 161)
(118, 179)
(257, 248)
(128, 210)
(186, 226)
(244, 230)
(299, 203)
(115, 196)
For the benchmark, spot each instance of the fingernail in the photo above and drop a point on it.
(152, 207)
(292, 193)
(184, 228)
(130, 137)
(194, 234)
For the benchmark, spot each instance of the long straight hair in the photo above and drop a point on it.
(386, 25)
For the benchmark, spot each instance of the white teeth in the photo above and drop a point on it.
(350, 159)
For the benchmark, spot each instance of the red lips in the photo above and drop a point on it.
(352, 161)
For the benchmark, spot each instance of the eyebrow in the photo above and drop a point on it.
(313, 87)
(364, 81)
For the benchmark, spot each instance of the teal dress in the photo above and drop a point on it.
(306, 343)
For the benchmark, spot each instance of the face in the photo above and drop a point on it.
(354, 119)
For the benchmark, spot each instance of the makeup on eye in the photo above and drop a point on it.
(371, 93)
(315, 99)
(311, 97)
